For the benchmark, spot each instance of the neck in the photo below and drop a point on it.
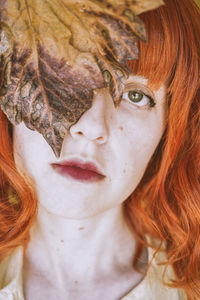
(81, 245)
(80, 259)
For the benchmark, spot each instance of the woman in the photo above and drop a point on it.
(127, 180)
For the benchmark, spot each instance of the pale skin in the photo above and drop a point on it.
(81, 246)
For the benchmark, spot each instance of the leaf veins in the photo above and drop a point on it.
(55, 53)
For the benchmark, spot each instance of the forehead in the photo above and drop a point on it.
(144, 80)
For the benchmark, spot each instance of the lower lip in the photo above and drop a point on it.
(77, 173)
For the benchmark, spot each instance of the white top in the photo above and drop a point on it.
(150, 288)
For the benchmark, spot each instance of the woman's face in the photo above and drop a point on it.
(116, 143)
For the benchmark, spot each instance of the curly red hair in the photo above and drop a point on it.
(18, 203)
(166, 204)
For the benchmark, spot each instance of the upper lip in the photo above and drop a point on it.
(84, 165)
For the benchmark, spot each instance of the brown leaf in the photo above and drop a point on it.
(55, 53)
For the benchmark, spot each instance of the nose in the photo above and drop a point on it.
(93, 124)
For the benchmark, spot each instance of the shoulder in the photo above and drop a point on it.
(152, 286)
(11, 286)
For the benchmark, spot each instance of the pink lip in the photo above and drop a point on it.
(86, 172)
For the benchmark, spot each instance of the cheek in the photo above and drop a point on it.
(133, 163)
(138, 138)
(29, 158)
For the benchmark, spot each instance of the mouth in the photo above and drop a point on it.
(80, 171)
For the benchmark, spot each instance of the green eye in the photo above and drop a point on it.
(139, 99)
(135, 96)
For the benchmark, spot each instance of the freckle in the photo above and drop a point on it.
(81, 228)
(124, 171)
(121, 128)
(62, 241)
(76, 281)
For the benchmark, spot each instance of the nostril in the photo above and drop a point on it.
(79, 133)
(100, 140)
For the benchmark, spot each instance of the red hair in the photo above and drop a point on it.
(17, 200)
(166, 204)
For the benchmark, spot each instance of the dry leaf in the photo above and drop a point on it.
(55, 53)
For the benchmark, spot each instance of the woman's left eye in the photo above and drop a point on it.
(139, 98)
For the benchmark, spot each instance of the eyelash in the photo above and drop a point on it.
(151, 103)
